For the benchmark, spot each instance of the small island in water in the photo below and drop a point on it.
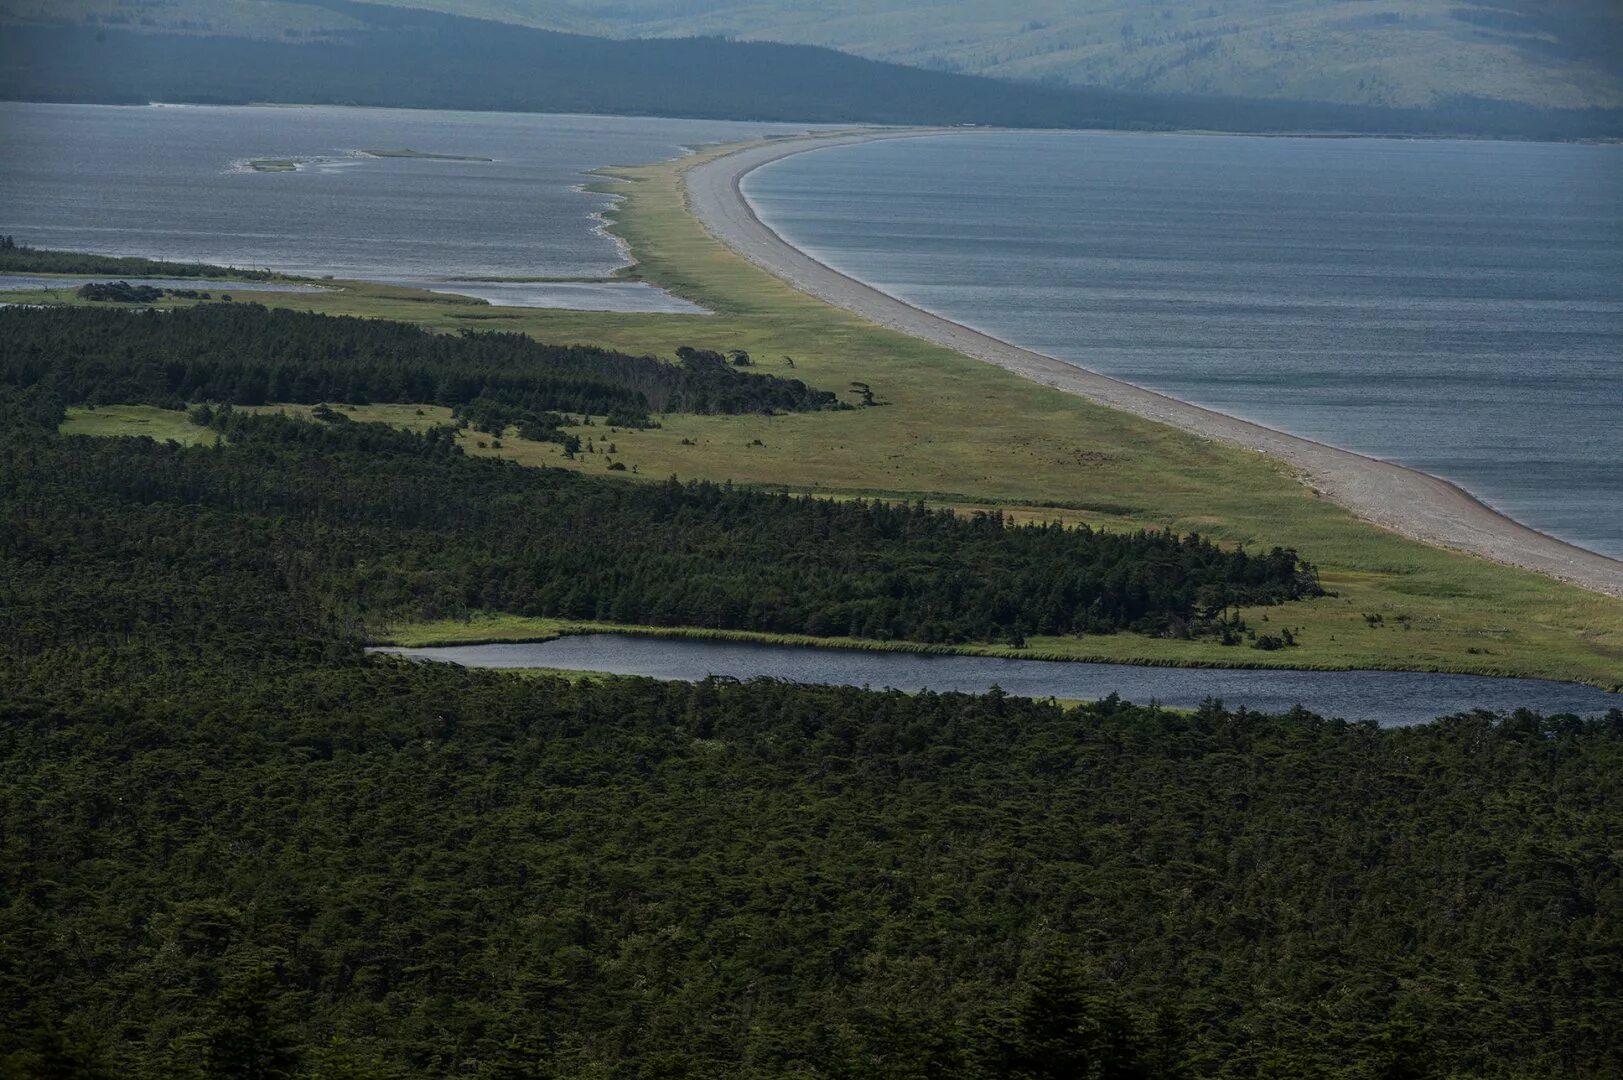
(288, 165)
(421, 155)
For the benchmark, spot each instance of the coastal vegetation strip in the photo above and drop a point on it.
(16, 258)
(382, 525)
(967, 428)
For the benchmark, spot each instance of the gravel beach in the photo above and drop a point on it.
(1412, 503)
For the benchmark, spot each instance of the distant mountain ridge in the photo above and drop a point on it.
(388, 55)
(1406, 53)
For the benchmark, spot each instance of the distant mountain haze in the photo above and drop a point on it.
(1407, 53)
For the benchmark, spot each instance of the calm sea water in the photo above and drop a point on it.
(171, 182)
(1456, 306)
(1392, 698)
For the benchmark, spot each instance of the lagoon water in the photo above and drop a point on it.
(571, 295)
(1393, 698)
(172, 182)
(1456, 306)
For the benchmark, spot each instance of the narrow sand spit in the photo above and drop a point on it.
(1407, 501)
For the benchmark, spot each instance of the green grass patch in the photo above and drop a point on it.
(136, 421)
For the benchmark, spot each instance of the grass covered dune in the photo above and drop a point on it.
(962, 432)
(956, 431)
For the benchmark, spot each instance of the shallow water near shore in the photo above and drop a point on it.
(570, 295)
(1454, 306)
(1391, 698)
(174, 183)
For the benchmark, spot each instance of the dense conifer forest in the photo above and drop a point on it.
(386, 524)
(233, 845)
(343, 868)
(247, 354)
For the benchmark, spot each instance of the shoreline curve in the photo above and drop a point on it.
(1405, 500)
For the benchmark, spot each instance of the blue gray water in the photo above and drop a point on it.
(1392, 698)
(171, 182)
(573, 295)
(1456, 306)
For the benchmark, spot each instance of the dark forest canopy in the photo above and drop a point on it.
(229, 836)
(416, 59)
(232, 845)
(120, 292)
(344, 868)
(18, 258)
(247, 354)
(378, 524)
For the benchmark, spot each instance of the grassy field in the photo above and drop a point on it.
(958, 432)
(163, 425)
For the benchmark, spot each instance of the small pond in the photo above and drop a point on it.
(1393, 698)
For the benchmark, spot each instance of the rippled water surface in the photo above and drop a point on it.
(1389, 697)
(1457, 306)
(174, 183)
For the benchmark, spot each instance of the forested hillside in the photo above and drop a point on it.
(1379, 52)
(373, 54)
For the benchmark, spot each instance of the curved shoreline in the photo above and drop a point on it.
(1407, 501)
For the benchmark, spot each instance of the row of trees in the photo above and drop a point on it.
(18, 258)
(247, 354)
(119, 292)
(393, 524)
